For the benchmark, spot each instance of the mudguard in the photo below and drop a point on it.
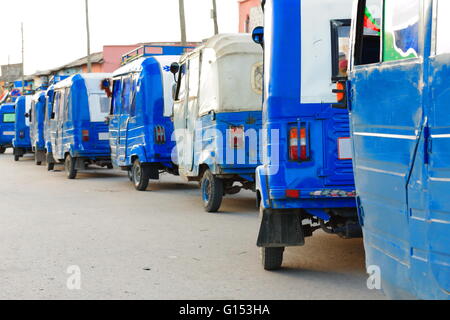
(280, 229)
(262, 186)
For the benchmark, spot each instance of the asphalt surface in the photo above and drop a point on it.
(157, 244)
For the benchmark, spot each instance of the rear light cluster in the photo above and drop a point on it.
(298, 143)
(160, 135)
(237, 137)
(85, 135)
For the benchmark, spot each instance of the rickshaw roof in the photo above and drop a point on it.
(139, 64)
(90, 79)
(228, 43)
(38, 94)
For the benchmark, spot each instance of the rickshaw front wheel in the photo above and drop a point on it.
(212, 192)
(70, 167)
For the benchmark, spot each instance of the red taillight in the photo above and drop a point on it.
(296, 141)
(293, 193)
(160, 135)
(237, 137)
(85, 135)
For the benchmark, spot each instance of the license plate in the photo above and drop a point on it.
(103, 136)
(9, 133)
(345, 149)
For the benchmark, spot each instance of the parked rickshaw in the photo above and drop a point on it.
(49, 95)
(7, 123)
(22, 142)
(399, 101)
(79, 133)
(140, 122)
(36, 117)
(306, 181)
(217, 116)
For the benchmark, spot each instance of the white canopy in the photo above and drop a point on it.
(230, 74)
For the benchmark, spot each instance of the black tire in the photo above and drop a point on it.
(16, 158)
(110, 166)
(140, 175)
(38, 163)
(2, 150)
(272, 258)
(212, 192)
(130, 174)
(50, 166)
(70, 167)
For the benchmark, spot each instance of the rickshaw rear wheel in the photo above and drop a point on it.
(140, 175)
(2, 150)
(16, 158)
(271, 258)
(50, 166)
(212, 192)
(69, 166)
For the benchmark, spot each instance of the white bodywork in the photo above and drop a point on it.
(316, 73)
(230, 74)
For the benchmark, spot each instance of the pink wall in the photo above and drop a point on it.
(244, 12)
(112, 56)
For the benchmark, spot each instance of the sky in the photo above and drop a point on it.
(55, 30)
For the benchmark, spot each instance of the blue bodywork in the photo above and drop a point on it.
(140, 126)
(7, 129)
(320, 186)
(72, 121)
(22, 141)
(402, 169)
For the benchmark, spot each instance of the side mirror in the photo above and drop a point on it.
(258, 35)
(27, 115)
(213, 115)
(174, 68)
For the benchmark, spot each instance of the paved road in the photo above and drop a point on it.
(153, 245)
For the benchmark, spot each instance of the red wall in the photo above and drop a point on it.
(244, 12)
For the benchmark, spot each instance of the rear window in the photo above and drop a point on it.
(99, 105)
(9, 118)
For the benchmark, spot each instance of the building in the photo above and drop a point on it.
(250, 15)
(9, 74)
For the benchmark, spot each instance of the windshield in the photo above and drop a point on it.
(98, 107)
(9, 118)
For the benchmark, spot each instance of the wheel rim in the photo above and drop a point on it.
(137, 174)
(68, 164)
(206, 191)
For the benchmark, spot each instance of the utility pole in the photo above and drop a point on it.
(89, 64)
(214, 17)
(182, 23)
(23, 61)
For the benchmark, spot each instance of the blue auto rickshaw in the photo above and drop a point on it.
(22, 142)
(399, 93)
(7, 124)
(79, 133)
(140, 122)
(306, 181)
(36, 117)
(217, 116)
